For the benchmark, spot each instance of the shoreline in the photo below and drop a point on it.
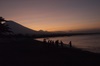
(32, 51)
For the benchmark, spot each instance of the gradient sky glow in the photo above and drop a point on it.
(53, 15)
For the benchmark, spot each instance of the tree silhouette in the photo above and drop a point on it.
(3, 26)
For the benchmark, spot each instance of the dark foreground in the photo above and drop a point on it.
(29, 52)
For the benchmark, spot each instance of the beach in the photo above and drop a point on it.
(28, 52)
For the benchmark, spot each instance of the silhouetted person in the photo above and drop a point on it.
(44, 40)
(48, 41)
(61, 43)
(52, 42)
(57, 42)
(70, 44)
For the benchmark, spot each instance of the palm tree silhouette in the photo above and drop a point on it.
(3, 26)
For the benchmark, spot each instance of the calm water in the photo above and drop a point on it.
(86, 42)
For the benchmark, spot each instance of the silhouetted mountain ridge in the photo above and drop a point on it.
(20, 29)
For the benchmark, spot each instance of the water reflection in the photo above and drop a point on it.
(86, 42)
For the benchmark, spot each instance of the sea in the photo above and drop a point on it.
(85, 42)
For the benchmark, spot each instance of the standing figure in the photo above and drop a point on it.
(61, 43)
(52, 42)
(57, 43)
(44, 41)
(70, 44)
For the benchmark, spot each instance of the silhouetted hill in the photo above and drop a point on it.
(20, 29)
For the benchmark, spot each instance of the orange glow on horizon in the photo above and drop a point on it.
(60, 16)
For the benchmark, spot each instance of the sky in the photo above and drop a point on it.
(53, 15)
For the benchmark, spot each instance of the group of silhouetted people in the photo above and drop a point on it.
(57, 43)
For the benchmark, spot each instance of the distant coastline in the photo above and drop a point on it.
(64, 34)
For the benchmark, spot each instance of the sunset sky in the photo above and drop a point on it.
(53, 15)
